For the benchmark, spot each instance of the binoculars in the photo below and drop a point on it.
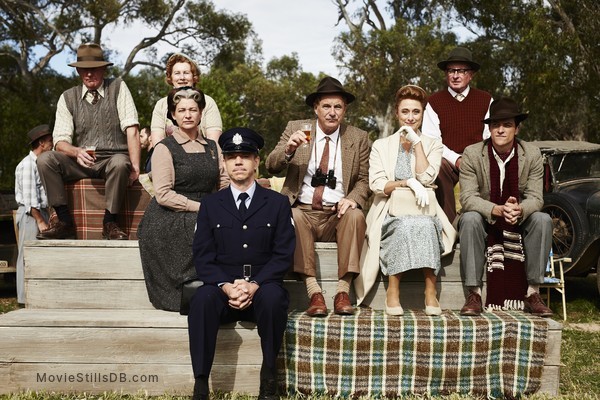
(320, 179)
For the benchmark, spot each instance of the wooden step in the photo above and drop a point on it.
(95, 350)
(122, 350)
(108, 274)
(89, 327)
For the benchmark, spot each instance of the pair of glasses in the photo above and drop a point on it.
(459, 71)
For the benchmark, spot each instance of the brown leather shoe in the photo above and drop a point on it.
(341, 304)
(473, 306)
(57, 230)
(535, 305)
(317, 307)
(111, 231)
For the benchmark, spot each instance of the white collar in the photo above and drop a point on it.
(86, 90)
(464, 92)
(236, 192)
(334, 136)
(499, 160)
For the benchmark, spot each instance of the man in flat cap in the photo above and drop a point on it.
(99, 113)
(454, 115)
(327, 185)
(243, 247)
(32, 214)
(502, 228)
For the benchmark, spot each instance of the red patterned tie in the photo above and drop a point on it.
(317, 201)
(96, 96)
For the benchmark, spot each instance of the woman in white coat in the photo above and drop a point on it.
(401, 243)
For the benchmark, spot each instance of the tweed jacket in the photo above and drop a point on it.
(382, 165)
(475, 180)
(355, 162)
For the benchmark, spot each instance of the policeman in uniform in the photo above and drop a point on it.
(243, 246)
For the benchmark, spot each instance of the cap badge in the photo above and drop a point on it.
(237, 139)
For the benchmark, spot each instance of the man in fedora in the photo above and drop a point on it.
(502, 228)
(99, 113)
(32, 214)
(454, 115)
(327, 185)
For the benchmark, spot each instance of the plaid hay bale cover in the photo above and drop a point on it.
(373, 354)
(86, 203)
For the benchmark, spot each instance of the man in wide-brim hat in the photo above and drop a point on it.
(99, 113)
(327, 184)
(32, 214)
(455, 116)
(501, 182)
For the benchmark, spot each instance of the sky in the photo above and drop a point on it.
(307, 27)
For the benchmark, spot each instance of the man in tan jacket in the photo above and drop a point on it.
(327, 184)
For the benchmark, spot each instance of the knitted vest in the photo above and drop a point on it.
(97, 124)
(460, 121)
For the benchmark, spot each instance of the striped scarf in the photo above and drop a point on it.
(506, 279)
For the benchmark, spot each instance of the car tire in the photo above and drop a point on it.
(598, 275)
(569, 225)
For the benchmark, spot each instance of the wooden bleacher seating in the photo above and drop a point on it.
(88, 318)
(8, 252)
(88, 325)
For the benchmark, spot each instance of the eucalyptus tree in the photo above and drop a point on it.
(386, 47)
(32, 32)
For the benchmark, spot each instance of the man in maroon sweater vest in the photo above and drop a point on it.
(455, 115)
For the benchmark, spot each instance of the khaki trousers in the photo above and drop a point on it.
(56, 168)
(324, 226)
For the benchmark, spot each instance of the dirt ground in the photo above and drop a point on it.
(588, 327)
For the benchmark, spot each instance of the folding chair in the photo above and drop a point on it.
(554, 279)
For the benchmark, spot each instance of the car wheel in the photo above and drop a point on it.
(598, 275)
(569, 225)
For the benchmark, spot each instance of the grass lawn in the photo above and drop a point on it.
(580, 374)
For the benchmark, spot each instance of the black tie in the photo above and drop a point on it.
(242, 197)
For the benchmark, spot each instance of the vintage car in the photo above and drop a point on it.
(572, 198)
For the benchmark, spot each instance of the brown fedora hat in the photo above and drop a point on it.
(505, 108)
(329, 85)
(90, 55)
(38, 132)
(459, 55)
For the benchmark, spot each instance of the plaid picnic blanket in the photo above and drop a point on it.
(372, 354)
(86, 203)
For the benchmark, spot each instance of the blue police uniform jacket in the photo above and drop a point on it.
(224, 241)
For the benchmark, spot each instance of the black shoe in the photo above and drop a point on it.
(111, 231)
(268, 384)
(201, 388)
(57, 230)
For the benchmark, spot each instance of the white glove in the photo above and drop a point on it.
(420, 191)
(410, 135)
